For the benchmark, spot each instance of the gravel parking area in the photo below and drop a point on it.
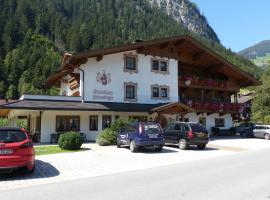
(98, 161)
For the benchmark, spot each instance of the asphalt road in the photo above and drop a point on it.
(241, 176)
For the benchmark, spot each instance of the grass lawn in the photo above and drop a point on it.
(45, 150)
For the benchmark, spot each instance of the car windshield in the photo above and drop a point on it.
(152, 128)
(8, 136)
(197, 127)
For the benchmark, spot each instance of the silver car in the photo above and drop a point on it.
(262, 131)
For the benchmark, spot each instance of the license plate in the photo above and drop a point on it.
(153, 135)
(200, 134)
(6, 151)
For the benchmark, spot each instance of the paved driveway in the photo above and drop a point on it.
(98, 161)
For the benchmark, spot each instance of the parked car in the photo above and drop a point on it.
(185, 134)
(141, 134)
(245, 129)
(16, 150)
(262, 131)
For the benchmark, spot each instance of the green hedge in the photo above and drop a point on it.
(70, 141)
(108, 135)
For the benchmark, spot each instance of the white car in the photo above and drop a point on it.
(262, 131)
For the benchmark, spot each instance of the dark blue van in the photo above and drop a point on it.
(141, 134)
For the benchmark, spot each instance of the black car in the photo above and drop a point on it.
(141, 134)
(185, 134)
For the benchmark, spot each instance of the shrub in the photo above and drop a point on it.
(70, 141)
(107, 137)
(118, 125)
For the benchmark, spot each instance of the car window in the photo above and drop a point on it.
(151, 128)
(177, 127)
(197, 127)
(185, 127)
(7, 136)
(169, 127)
(130, 128)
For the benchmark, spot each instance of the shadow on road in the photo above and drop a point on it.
(193, 148)
(43, 170)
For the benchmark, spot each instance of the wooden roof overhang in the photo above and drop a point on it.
(173, 108)
(4, 112)
(187, 50)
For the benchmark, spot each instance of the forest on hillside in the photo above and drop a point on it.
(34, 35)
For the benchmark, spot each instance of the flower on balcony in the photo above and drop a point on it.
(187, 80)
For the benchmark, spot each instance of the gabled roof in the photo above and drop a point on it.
(178, 47)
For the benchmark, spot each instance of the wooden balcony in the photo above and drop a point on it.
(210, 107)
(207, 84)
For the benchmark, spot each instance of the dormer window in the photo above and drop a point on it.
(159, 66)
(131, 63)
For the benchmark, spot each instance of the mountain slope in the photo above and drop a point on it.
(258, 53)
(34, 34)
(188, 15)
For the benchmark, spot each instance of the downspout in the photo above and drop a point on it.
(82, 84)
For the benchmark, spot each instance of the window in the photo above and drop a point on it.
(130, 63)
(155, 65)
(219, 122)
(164, 92)
(138, 118)
(93, 123)
(163, 66)
(106, 121)
(178, 127)
(67, 123)
(159, 66)
(130, 91)
(202, 120)
(160, 92)
(155, 92)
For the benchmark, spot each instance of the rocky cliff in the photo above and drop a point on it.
(188, 15)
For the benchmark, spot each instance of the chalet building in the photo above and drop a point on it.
(162, 80)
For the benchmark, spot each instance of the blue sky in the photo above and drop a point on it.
(238, 23)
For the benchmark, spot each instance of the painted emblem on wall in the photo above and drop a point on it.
(103, 77)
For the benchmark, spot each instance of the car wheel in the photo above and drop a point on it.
(118, 143)
(159, 149)
(201, 146)
(243, 135)
(183, 144)
(30, 171)
(133, 148)
(267, 136)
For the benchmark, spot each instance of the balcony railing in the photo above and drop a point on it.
(198, 81)
(216, 107)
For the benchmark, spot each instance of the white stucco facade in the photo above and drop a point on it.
(113, 66)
